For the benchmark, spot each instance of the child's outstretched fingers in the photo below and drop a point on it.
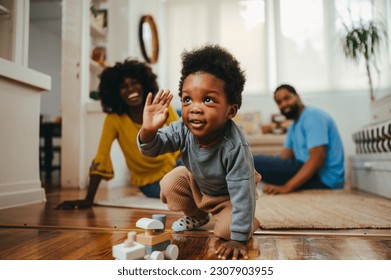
(158, 96)
(148, 101)
(163, 97)
(170, 97)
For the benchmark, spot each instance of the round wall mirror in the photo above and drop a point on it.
(149, 40)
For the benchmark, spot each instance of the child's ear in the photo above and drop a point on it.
(233, 109)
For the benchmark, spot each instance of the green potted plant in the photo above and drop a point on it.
(362, 41)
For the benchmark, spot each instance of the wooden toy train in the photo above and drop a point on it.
(153, 244)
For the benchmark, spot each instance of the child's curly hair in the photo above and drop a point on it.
(217, 61)
(112, 77)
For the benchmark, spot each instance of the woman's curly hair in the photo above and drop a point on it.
(217, 61)
(112, 77)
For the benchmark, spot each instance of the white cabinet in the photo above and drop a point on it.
(381, 109)
(371, 166)
(20, 94)
(372, 173)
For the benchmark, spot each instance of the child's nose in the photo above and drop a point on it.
(196, 108)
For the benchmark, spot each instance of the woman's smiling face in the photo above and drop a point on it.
(131, 92)
(205, 108)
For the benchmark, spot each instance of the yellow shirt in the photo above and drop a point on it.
(144, 170)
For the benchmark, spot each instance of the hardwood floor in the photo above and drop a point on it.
(39, 232)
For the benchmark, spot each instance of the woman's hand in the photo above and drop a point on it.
(74, 204)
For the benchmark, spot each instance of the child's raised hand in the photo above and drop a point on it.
(155, 114)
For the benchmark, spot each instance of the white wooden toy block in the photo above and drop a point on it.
(150, 224)
(156, 242)
(172, 252)
(129, 250)
(156, 255)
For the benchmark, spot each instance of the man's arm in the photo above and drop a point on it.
(309, 168)
(287, 153)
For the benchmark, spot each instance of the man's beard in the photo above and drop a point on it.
(293, 113)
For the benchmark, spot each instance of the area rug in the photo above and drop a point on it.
(140, 202)
(323, 209)
(313, 209)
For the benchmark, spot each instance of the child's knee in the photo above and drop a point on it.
(178, 173)
(174, 180)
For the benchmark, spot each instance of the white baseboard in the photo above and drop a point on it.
(23, 193)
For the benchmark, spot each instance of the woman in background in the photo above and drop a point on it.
(123, 90)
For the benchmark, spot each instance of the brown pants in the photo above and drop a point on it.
(181, 193)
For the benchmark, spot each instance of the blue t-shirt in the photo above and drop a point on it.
(316, 128)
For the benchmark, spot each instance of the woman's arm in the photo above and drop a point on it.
(89, 199)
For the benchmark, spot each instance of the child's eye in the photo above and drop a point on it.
(186, 99)
(208, 100)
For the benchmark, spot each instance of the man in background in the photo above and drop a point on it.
(313, 156)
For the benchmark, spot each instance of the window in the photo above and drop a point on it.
(184, 34)
(351, 75)
(242, 31)
(301, 47)
(277, 41)
(239, 26)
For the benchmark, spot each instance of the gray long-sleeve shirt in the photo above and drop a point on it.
(226, 168)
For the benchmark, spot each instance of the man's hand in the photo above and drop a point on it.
(274, 189)
(74, 204)
(231, 248)
(155, 114)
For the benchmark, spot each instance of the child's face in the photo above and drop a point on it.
(205, 109)
(131, 92)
